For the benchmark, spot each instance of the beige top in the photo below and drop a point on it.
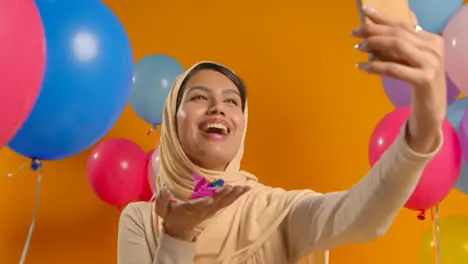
(316, 222)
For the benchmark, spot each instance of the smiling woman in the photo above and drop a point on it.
(210, 115)
(203, 131)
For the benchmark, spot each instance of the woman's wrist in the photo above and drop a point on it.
(422, 139)
(427, 115)
(179, 233)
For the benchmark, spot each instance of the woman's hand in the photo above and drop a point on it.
(180, 218)
(408, 53)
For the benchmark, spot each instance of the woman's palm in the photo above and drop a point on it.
(180, 218)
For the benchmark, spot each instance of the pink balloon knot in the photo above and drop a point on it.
(422, 215)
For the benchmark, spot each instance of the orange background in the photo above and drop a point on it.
(311, 116)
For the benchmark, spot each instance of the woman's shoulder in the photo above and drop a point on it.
(139, 212)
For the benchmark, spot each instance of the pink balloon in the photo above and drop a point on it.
(147, 192)
(22, 63)
(456, 47)
(153, 169)
(442, 171)
(117, 171)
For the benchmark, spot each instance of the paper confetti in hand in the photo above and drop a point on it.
(203, 188)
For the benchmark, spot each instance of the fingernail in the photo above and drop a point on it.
(166, 194)
(360, 46)
(369, 9)
(356, 32)
(363, 66)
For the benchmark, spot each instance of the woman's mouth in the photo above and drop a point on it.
(215, 129)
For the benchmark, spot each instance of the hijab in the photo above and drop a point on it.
(239, 230)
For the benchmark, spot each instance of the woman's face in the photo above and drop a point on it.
(210, 120)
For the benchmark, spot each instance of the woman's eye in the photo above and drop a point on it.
(232, 101)
(199, 97)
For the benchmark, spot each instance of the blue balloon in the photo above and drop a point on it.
(87, 81)
(455, 113)
(152, 81)
(433, 15)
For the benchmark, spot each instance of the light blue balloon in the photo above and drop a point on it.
(454, 115)
(152, 80)
(433, 15)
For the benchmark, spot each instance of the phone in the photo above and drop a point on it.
(397, 9)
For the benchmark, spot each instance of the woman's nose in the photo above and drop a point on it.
(216, 109)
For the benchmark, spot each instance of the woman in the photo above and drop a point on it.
(245, 222)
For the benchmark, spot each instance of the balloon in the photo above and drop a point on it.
(456, 45)
(463, 133)
(454, 115)
(152, 80)
(22, 63)
(433, 15)
(146, 194)
(153, 170)
(440, 174)
(87, 80)
(453, 241)
(399, 92)
(116, 171)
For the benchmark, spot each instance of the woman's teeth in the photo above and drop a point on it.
(216, 128)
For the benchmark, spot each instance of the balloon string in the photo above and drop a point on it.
(36, 207)
(434, 238)
(20, 168)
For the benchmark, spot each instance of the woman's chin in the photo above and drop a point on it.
(213, 159)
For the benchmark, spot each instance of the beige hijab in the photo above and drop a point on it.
(237, 232)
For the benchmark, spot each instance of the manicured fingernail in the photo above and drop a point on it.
(369, 9)
(166, 194)
(363, 66)
(356, 32)
(360, 46)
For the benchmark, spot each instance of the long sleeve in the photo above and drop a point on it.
(321, 222)
(135, 234)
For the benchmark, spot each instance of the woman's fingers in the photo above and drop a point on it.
(400, 30)
(379, 18)
(163, 202)
(186, 215)
(229, 195)
(368, 30)
(394, 70)
(198, 204)
(400, 49)
(222, 192)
